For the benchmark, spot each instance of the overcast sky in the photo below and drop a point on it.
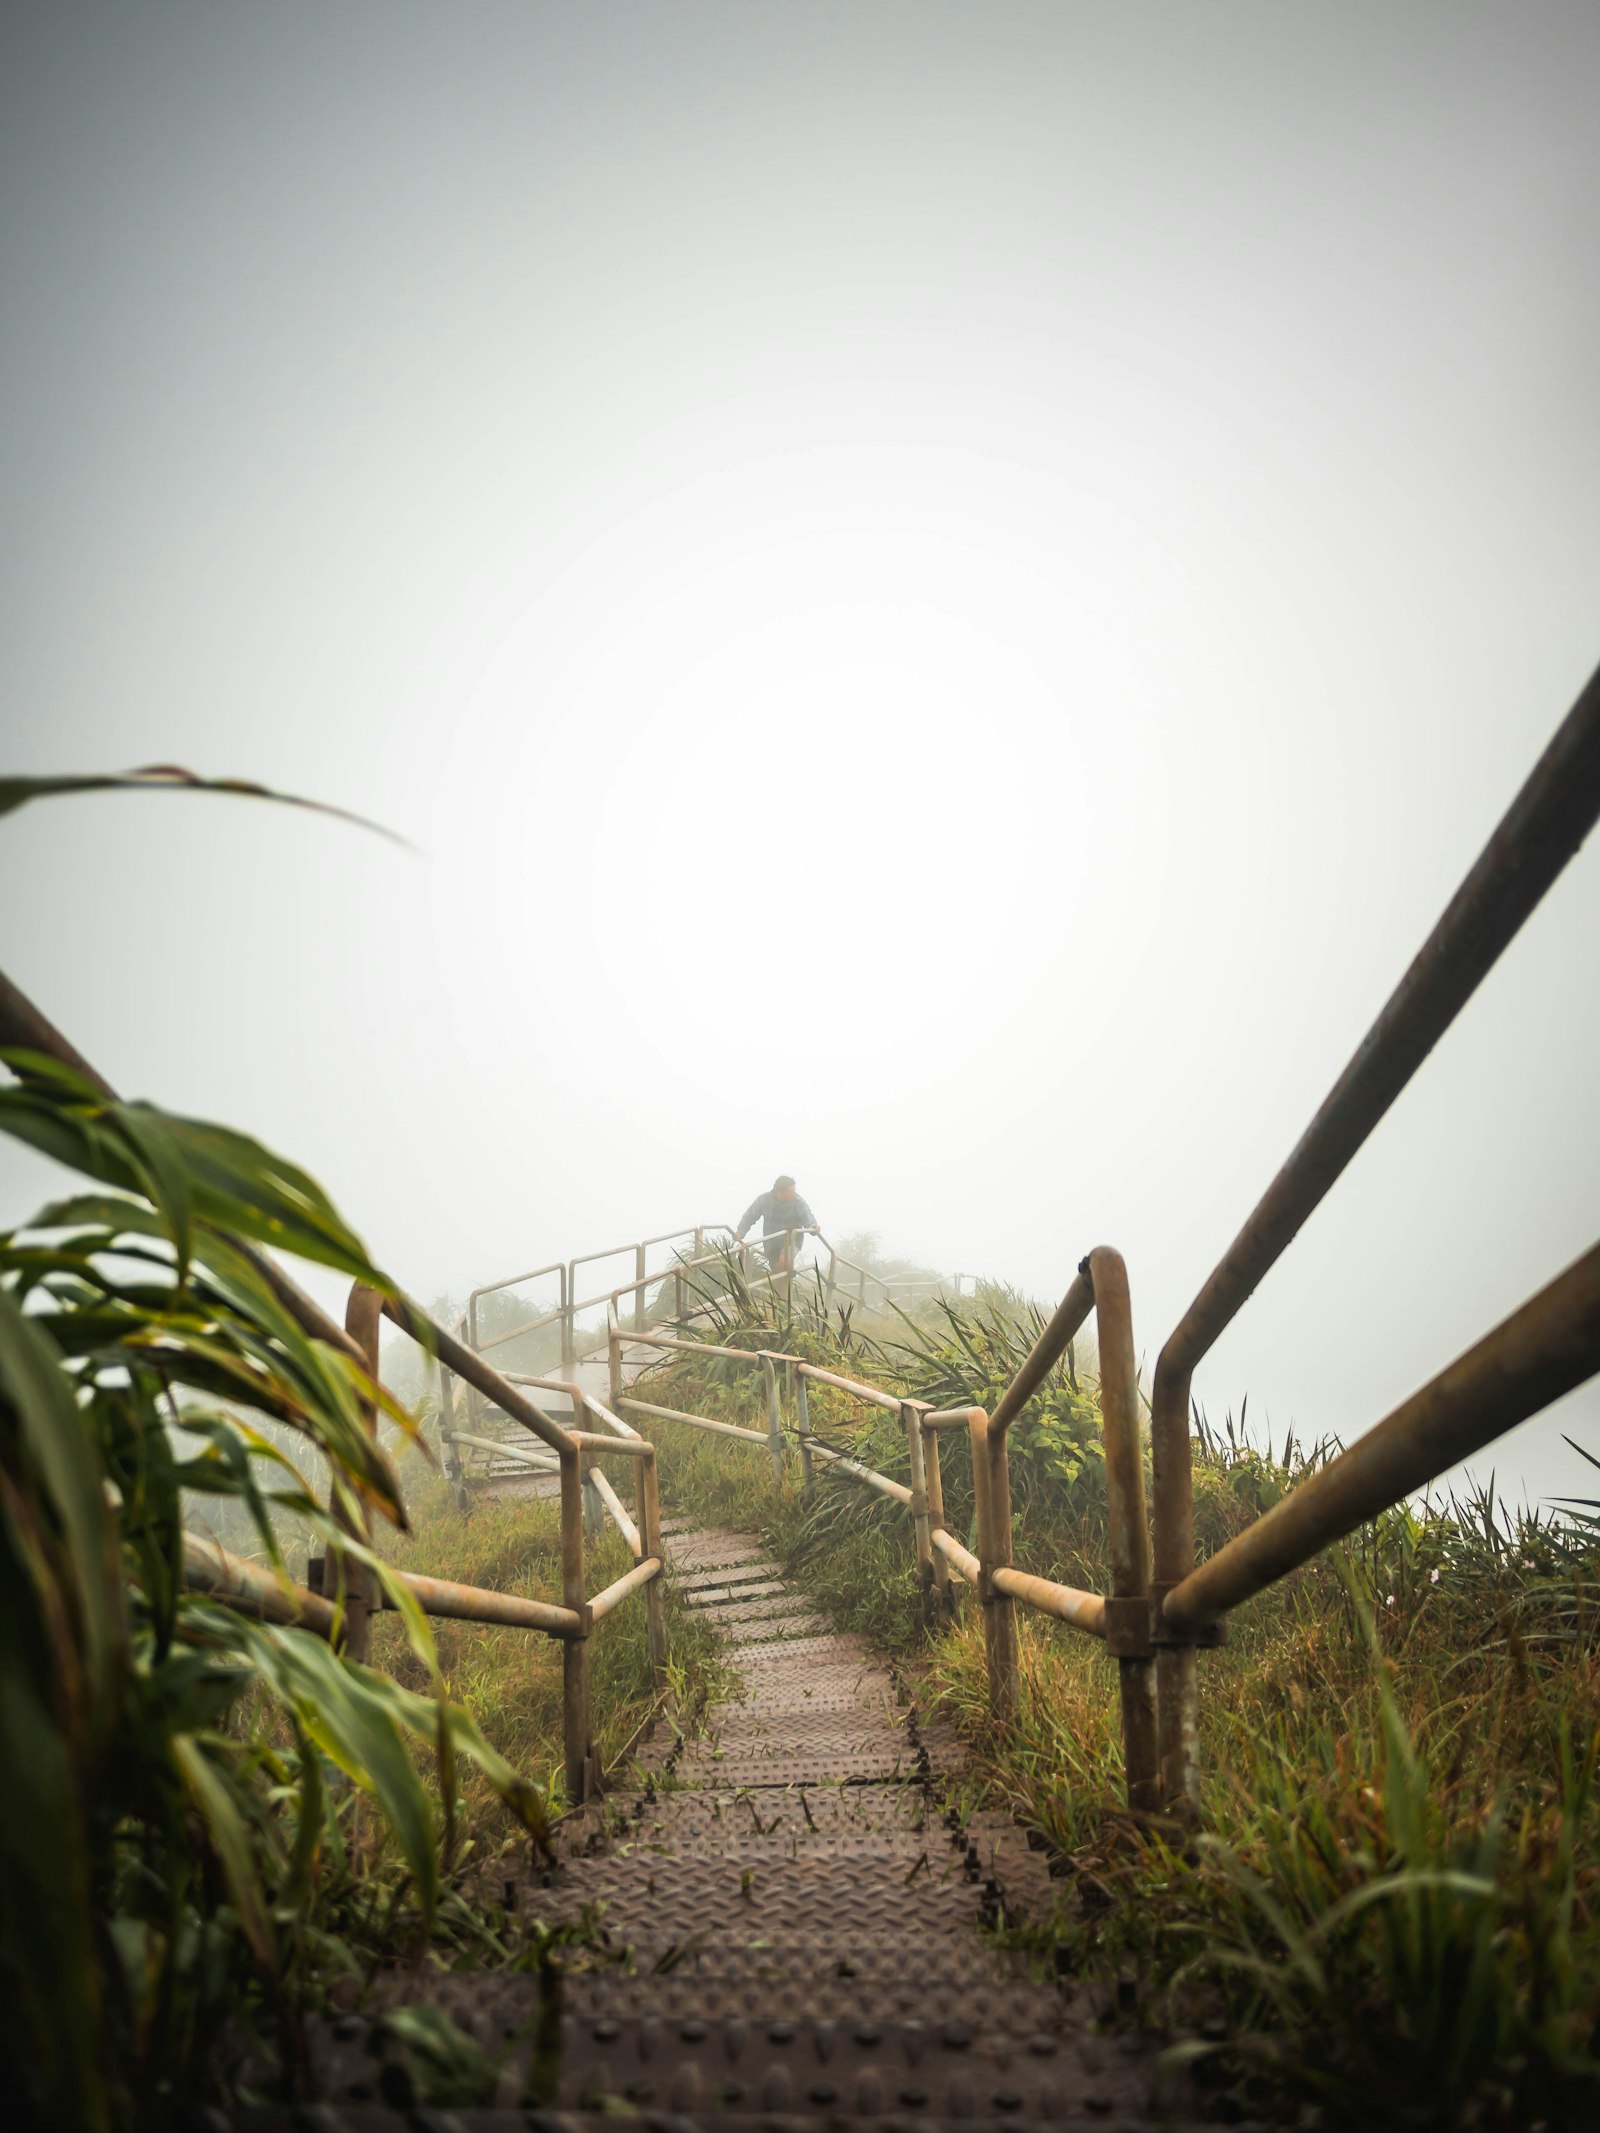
(945, 591)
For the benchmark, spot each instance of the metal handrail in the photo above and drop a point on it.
(586, 1495)
(570, 1304)
(1540, 1352)
(1101, 1285)
(1544, 826)
(574, 1453)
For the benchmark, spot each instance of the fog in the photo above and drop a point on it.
(942, 593)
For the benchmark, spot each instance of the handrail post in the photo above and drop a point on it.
(769, 1370)
(639, 1261)
(802, 1415)
(992, 1489)
(648, 1503)
(911, 1413)
(474, 1401)
(677, 1293)
(1128, 1615)
(362, 1318)
(569, 1332)
(1177, 1665)
(450, 1451)
(613, 1356)
(933, 1486)
(833, 1275)
(576, 1722)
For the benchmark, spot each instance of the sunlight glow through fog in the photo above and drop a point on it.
(944, 593)
(807, 702)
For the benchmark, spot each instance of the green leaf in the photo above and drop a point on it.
(230, 1840)
(354, 1716)
(166, 1179)
(57, 1451)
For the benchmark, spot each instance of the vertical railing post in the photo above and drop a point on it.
(933, 1485)
(362, 1320)
(449, 1450)
(569, 1337)
(1177, 1668)
(613, 1356)
(802, 1418)
(911, 1413)
(594, 1510)
(638, 1294)
(677, 1293)
(833, 1275)
(991, 1484)
(650, 1543)
(1128, 1616)
(769, 1371)
(576, 1723)
(474, 1404)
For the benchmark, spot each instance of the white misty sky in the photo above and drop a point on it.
(944, 591)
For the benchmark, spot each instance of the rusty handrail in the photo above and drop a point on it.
(541, 1462)
(1046, 1351)
(705, 1422)
(1084, 1610)
(814, 1375)
(1544, 826)
(577, 1456)
(1541, 1351)
(569, 1303)
(252, 1588)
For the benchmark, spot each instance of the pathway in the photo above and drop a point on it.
(799, 1916)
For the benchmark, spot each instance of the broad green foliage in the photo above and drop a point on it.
(182, 1832)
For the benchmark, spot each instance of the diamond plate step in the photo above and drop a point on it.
(705, 1580)
(726, 1593)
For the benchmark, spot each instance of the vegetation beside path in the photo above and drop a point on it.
(214, 1825)
(510, 1680)
(1392, 1914)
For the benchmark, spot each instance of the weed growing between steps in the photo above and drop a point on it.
(1392, 1912)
